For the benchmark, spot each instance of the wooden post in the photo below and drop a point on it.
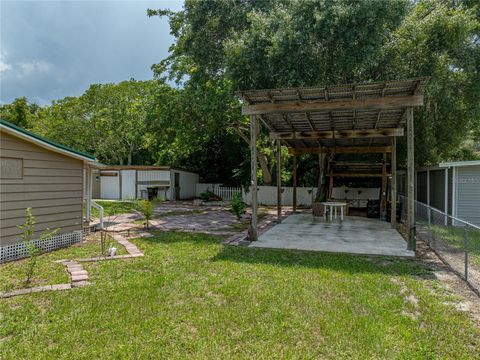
(446, 195)
(383, 198)
(294, 184)
(279, 182)
(410, 181)
(393, 184)
(253, 165)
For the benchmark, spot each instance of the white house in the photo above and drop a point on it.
(137, 182)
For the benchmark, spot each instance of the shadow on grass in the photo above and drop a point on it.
(345, 263)
(170, 237)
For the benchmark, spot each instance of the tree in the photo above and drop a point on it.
(268, 44)
(20, 112)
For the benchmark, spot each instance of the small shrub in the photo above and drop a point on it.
(238, 206)
(28, 229)
(207, 195)
(146, 209)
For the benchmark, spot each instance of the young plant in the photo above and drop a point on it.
(28, 229)
(146, 209)
(238, 206)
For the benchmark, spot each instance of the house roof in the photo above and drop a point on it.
(459, 163)
(19, 132)
(365, 114)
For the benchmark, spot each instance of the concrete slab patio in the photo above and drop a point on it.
(354, 235)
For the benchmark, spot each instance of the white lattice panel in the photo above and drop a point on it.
(19, 250)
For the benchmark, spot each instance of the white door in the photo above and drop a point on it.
(128, 184)
(110, 185)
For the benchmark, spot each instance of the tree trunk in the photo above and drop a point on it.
(262, 159)
(130, 153)
(321, 187)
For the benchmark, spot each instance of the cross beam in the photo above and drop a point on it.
(342, 150)
(388, 102)
(337, 134)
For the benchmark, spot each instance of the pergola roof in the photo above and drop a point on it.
(338, 116)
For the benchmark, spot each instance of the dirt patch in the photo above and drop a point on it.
(467, 300)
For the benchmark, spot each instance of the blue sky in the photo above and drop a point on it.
(53, 49)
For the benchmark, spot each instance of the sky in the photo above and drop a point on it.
(53, 49)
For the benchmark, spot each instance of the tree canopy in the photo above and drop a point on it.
(267, 44)
(222, 46)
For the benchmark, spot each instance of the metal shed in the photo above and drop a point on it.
(453, 187)
(135, 182)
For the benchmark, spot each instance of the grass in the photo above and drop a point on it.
(47, 271)
(113, 208)
(454, 237)
(191, 297)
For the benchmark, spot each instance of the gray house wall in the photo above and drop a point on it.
(48, 182)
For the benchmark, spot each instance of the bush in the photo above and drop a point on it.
(208, 195)
(28, 229)
(146, 209)
(238, 206)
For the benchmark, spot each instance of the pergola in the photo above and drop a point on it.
(339, 119)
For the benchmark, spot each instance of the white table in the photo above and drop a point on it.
(333, 205)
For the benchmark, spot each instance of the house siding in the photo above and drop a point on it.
(51, 184)
(468, 194)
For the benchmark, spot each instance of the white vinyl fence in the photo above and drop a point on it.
(267, 195)
(225, 192)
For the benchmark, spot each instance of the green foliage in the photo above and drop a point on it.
(27, 236)
(190, 291)
(208, 195)
(146, 208)
(238, 206)
(20, 112)
(260, 44)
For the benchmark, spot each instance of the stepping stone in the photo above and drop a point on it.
(81, 283)
(79, 272)
(79, 277)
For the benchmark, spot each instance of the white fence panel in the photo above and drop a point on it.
(267, 195)
(225, 192)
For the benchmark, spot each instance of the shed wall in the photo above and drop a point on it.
(468, 194)
(437, 189)
(50, 183)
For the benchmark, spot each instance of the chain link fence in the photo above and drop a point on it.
(455, 241)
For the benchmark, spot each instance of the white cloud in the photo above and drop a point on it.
(33, 67)
(4, 65)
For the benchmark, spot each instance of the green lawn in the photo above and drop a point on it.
(191, 297)
(113, 208)
(47, 271)
(455, 237)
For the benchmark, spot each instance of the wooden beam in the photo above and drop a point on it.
(393, 185)
(389, 102)
(294, 180)
(410, 181)
(337, 134)
(383, 197)
(279, 182)
(253, 174)
(342, 150)
(360, 164)
(355, 175)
